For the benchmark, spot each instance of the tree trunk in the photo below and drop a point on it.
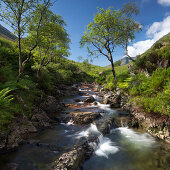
(20, 59)
(113, 69)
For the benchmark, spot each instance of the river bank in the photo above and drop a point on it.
(44, 115)
(157, 125)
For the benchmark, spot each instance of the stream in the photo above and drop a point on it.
(122, 149)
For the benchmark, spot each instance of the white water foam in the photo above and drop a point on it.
(139, 140)
(107, 108)
(85, 96)
(85, 133)
(105, 147)
(81, 90)
(71, 122)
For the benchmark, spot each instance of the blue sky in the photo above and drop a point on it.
(154, 15)
(78, 14)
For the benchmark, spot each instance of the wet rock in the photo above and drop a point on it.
(115, 105)
(90, 99)
(95, 103)
(20, 130)
(109, 123)
(85, 117)
(77, 100)
(51, 106)
(40, 119)
(74, 159)
(156, 124)
(113, 99)
(67, 118)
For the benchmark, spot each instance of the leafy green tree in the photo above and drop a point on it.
(109, 29)
(104, 34)
(52, 41)
(17, 14)
(131, 26)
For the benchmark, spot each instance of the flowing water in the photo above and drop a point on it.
(121, 149)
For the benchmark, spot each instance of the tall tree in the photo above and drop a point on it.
(50, 41)
(17, 14)
(109, 29)
(131, 26)
(104, 34)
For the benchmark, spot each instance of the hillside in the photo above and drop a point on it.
(121, 62)
(18, 94)
(6, 33)
(147, 82)
(157, 56)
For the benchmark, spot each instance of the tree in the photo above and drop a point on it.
(108, 30)
(17, 14)
(103, 34)
(131, 26)
(52, 40)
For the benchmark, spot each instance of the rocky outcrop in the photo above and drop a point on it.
(156, 124)
(40, 119)
(85, 117)
(51, 106)
(20, 129)
(114, 99)
(107, 125)
(74, 159)
(90, 99)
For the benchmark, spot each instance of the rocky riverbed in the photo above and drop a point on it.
(85, 130)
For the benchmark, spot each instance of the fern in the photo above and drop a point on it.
(5, 99)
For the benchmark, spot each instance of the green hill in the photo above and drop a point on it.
(6, 33)
(147, 81)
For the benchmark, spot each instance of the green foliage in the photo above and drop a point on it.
(152, 93)
(107, 78)
(157, 56)
(141, 85)
(110, 86)
(125, 84)
(5, 115)
(5, 99)
(117, 63)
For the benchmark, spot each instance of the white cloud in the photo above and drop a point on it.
(155, 32)
(164, 2)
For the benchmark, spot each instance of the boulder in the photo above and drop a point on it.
(90, 99)
(74, 159)
(20, 130)
(95, 103)
(51, 106)
(113, 99)
(77, 100)
(40, 119)
(85, 117)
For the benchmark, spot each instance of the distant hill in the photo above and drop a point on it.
(6, 33)
(121, 62)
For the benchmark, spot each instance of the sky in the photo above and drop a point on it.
(154, 17)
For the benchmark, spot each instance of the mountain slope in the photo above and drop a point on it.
(6, 33)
